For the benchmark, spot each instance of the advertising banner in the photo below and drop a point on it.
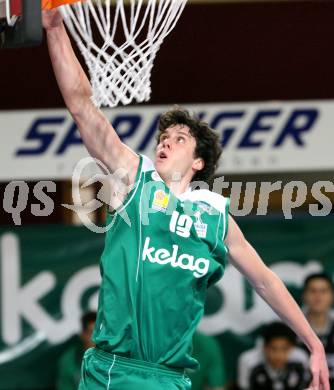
(256, 137)
(49, 276)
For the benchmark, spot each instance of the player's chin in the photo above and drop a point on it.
(161, 167)
(159, 160)
(161, 163)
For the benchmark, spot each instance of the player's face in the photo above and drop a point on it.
(277, 352)
(318, 296)
(175, 154)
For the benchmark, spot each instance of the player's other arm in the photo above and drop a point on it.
(272, 290)
(96, 131)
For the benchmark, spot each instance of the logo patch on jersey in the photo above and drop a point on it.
(199, 267)
(160, 200)
(200, 227)
(205, 207)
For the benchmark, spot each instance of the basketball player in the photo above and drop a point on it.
(155, 271)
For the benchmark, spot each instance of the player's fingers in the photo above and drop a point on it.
(51, 18)
(315, 380)
(324, 379)
(49, 12)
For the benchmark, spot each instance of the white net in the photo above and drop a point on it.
(119, 43)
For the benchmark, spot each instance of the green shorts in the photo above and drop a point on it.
(102, 370)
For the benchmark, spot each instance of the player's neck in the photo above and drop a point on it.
(177, 183)
(178, 187)
(318, 321)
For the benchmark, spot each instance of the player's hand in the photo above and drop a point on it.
(52, 19)
(319, 370)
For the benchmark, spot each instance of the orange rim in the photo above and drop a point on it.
(49, 4)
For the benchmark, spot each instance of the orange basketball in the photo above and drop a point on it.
(49, 4)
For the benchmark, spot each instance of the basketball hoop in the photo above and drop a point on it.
(120, 68)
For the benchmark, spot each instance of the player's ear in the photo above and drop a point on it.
(198, 164)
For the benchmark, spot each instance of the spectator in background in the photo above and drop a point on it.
(318, 294)
(69, 365)
(275, 365)
(211, 373)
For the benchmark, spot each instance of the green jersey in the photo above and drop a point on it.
(161, 254)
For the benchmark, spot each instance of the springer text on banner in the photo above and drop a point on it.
(256, 137)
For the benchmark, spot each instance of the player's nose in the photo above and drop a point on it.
(166, 143)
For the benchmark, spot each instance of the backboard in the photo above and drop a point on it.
(20, 23)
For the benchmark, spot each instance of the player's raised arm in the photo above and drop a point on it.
(96, 131)
(272, 290)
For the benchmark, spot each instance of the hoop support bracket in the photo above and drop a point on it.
(27, 30)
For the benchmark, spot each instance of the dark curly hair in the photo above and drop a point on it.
(276, 330)
(207, 141)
